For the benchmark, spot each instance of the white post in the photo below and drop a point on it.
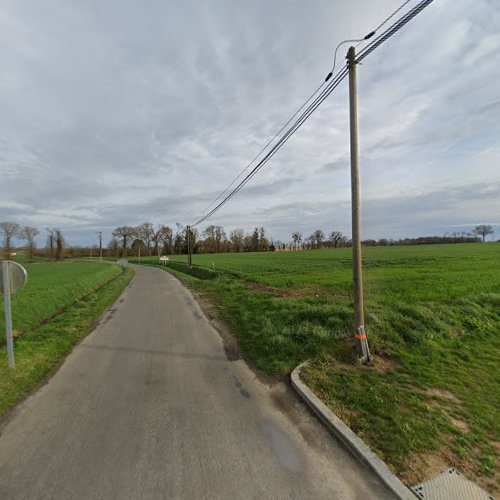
(8, 316)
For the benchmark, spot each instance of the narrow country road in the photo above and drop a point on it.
(148, 406)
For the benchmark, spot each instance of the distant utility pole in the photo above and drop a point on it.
(100, 246)
(359, 316)
(190, 259)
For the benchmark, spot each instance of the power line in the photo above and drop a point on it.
(394, 28)
(388, 18)
(298, 123)
(263, 149)
(368, 36)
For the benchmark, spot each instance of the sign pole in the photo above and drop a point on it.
(8, 316)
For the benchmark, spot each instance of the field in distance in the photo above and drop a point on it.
(431, 398)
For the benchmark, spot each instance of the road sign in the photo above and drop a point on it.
(17, 275)
(164, 259)
(13, 277)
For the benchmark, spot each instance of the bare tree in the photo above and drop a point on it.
(297, 238)
(337, 239)
(146, 233)
(9, 230)
(220, 236)
(125, 233)
(237, 236)
(51, 242)
(214, 236)
(114, 247)
(192, 234)
(483, 230)
(29, 234)
(263, 241)
(59, 243)
(318, 236)
(165, 239)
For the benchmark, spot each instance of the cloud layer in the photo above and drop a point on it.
(118, 112)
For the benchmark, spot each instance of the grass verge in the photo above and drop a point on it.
(39, 351)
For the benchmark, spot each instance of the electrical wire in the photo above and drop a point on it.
(339, 77)
(263, 149)
(388, 18)
(366, 37)
(298, 123)
(402, 21)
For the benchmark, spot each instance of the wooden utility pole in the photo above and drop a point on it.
(188, 235)
(359, 316)
(100, 246)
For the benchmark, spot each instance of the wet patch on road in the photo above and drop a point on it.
(282, 447)
(239, 385)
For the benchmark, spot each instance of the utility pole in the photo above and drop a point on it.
(100, 246)
(188, 234)
(359, 316)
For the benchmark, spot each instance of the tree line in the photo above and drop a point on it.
(11, 231)
(149, 239)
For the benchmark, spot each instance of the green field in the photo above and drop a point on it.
(57, 307)
(53, 287)
(432, 395)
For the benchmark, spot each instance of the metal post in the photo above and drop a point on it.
(8, 316)
(359, 317)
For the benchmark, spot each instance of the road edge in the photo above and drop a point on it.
(353, 443)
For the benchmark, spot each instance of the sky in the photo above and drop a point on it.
(119, 112)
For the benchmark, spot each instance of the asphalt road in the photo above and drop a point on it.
(148, 406)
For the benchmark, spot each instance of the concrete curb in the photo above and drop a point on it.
(353, 443)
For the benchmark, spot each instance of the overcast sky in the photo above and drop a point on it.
(119, 112)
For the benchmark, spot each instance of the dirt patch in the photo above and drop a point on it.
(277, 292)
(425, 466)
(460, 424)
(293, 293)
(443, 394)
(383, 365)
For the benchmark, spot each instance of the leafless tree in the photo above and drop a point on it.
(124, 233)
(483, 230)
(29, 234)
(9, 230)
(114, 247)
(297, 238)
(146, 233)
(318, 236)
(59, 243)
(337, 239)
(237, 236)
(165, 239)
(51, 242)
(263, 241)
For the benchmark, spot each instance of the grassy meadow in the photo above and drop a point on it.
(57, 307)
(431, 397)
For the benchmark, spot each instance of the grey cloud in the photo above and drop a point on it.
(113, 113)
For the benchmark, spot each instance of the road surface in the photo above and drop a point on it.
(148, 406)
